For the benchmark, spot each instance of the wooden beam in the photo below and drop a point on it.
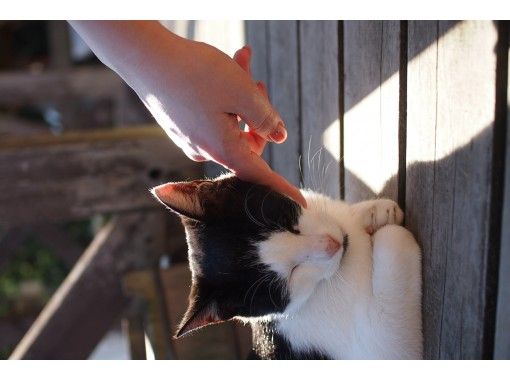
(91, 298)
(76, 175)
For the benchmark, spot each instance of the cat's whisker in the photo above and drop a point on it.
(252, 285)
(257, 288)
(248, 213)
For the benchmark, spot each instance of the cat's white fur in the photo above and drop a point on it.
(364, 303)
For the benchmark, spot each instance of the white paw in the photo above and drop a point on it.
(383, 212)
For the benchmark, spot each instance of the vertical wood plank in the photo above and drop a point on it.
(420, 177)
(451, 102)
(371, 66)
(320, 106)
(257, 38)
(502, 338)
(284, 93)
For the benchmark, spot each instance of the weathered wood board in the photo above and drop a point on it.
(502, 335)
(285, 96)
(257, 37)
(371, 101)
(449, 141)
(320, 104)
(77, 175)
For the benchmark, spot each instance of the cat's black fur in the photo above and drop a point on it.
(226, 269)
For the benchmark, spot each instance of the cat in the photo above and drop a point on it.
(330, 281)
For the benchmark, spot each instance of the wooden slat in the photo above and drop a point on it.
(449, 139)
(371, 66)
(284, 94)
(76, 175)
(142, 284)
(320, 105)
(257, 37)
(502, 338)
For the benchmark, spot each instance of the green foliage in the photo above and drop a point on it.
(33, 261)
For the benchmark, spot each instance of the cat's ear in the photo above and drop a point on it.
(196, 318)
(181, 197)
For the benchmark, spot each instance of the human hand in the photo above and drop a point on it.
(199, 96)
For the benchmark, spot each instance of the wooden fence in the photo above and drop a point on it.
(414, 111)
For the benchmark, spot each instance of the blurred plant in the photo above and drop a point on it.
(31, 275)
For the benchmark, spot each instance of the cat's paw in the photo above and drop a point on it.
(381, 213)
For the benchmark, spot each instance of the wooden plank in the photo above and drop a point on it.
(285, 96)
(87, 303)
(142, 285)
(320, 106)
(449, 140)
(213, 342)
(21, 87)
(502, 338)
(76, 175)
(132, 327)
(371, 120)
(257, 37)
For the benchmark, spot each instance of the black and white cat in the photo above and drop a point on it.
(330, 281)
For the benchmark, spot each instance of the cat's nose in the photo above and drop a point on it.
(332, 245)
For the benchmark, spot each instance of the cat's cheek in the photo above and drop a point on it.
(302, 283)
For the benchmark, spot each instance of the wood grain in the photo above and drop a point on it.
(371, 67)
(320, 106)
(284, 93)
(449, 139)
(502, 338)
(77, 175)
(257, 37)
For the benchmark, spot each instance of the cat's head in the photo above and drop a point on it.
(252, 252)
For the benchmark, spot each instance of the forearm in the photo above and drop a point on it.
(124, 45)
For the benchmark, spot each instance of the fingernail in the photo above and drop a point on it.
(279, 134)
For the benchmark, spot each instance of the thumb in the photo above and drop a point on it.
(262, 118)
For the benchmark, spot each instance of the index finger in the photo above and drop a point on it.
(253, 168)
